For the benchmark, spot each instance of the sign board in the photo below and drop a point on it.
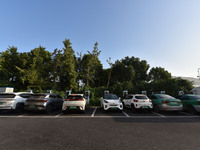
(6, 89)
(125, 93)
(144, 92)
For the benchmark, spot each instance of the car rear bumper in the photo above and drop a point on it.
(74, 105)
(165, 107)
(27, 107)
(143, 106)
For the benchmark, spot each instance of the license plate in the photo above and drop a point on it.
(144, 106)
(32, 106)
(72, 107)
(113, 107)
(1, 103)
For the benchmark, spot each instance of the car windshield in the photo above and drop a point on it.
(141, 97)
(74, 97)
(165, 97)
(111, 96)
(38, 96)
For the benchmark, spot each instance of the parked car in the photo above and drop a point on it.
(44, 101)
(74, 102)
(164, 102)
(138, 101)
(190, 103)
(13, 101)
(111, 101)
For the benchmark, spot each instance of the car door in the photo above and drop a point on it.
(154, 99)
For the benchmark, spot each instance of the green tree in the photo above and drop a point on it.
(68, 74)
(159, 73)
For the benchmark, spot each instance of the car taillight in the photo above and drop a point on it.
(44, 100)
(66, 99)
(199, 102)
(180, 102)
(135, 100)
(149, 100)
(165, 101)
(80, 99)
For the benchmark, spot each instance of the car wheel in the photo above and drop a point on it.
(19, 108)
(49, 109)
(192, 110)
(156, 108)
(133, 108)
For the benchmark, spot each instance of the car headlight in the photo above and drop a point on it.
(105, 101)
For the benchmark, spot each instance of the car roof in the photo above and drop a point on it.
(75, 94)
(137, 94)
(17, 93)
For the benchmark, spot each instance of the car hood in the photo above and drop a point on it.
(112, 101)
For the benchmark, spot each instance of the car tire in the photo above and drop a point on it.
(192, 110)
(19, 108)
(49, 109)
(133, 108)
(156, 108)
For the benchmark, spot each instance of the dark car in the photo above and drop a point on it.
(44, 101)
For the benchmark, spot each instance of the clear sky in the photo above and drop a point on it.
(165, 33)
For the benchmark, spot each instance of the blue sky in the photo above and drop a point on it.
(166, 33)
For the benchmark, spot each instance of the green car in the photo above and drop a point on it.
(164, 102)
(190, 103)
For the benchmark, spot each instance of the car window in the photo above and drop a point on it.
(196, 97)
(58, 96)
(7, 95)
(38, 96)
(52, 96)
(165, 97)
(141, 97)
(74, 97)
(183, 97)
(153, 97)
(25, 95)
(111, 96)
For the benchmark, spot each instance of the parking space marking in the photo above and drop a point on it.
(125, 114)
(58, 115)
(22, 115)
(94, 112)
(188, 114)
(158, 114)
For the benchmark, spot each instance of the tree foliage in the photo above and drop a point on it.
(62, 70)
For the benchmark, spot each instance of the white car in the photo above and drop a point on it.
(13, 101)
(138, 101)
(111, 101)
(74, 101)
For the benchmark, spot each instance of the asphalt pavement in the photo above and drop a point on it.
(97, 129)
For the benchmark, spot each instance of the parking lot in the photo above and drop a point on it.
(96, 129)
(96, 112)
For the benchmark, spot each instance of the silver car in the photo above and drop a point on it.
(44, 101)
(13, 101)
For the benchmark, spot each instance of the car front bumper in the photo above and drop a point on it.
(111, 106)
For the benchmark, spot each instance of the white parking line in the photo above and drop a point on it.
(158, 114)
(94, 112)
(58, 115)
(22, 115)
(125, 114)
